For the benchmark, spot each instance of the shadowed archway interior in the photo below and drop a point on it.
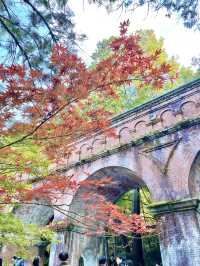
(122, 181)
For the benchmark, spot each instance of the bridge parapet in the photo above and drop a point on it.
(166, 111)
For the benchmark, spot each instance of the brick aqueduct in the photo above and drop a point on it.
(158, 145)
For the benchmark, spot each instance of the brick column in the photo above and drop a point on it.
(179, 231)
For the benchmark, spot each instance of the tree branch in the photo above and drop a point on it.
(59, 110)
(41, 16)
(16, 41)
(6, 8)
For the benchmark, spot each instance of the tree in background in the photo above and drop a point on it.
(187, 10)
(143, 250)
(29, 29)
(130, 96)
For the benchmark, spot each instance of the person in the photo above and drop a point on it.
(121, 261)
(118, 260)
(102, 261)
(14, 258)
(112, 261)
(20, 262)
(17, 261)
(63, 256)
(36, 261)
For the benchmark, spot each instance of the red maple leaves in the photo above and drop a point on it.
(51, 109)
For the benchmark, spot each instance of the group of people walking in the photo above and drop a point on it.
(17, 261)
(118, 261)
(63, 257)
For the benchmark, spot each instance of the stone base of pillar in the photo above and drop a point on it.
(179, 232)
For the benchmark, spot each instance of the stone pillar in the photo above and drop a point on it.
(56, 248)
(90, 257)
(179, 231)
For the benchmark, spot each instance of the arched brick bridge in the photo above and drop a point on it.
(157, 144)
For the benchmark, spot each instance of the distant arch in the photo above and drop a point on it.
(194, 177)
(168, 118)
(84, 151)
(98, 144)
(140, 127)
(181, 162)
(189, 109)
(124, 135)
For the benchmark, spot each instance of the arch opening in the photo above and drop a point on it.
(194, 177)
(123, 182)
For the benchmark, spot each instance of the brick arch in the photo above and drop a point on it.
(98, 144)
(85, 151)
(168, 118)
(123, 180)
(140, 168)
(125, 135)
(188, 109)
(194, 177)
(127, 173)
(181, 161)
(140, 127)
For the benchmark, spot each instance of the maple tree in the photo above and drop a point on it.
(42, 112)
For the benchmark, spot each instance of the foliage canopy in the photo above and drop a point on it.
(29, 29)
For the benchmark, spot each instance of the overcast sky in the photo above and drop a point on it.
(97, 24)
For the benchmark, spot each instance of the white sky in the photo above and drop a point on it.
(97, 24)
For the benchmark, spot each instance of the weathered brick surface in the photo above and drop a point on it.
(180, 239)
(162, 113)
(157, 145)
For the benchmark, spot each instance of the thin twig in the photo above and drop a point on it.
(16, 41)
(43, 19)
